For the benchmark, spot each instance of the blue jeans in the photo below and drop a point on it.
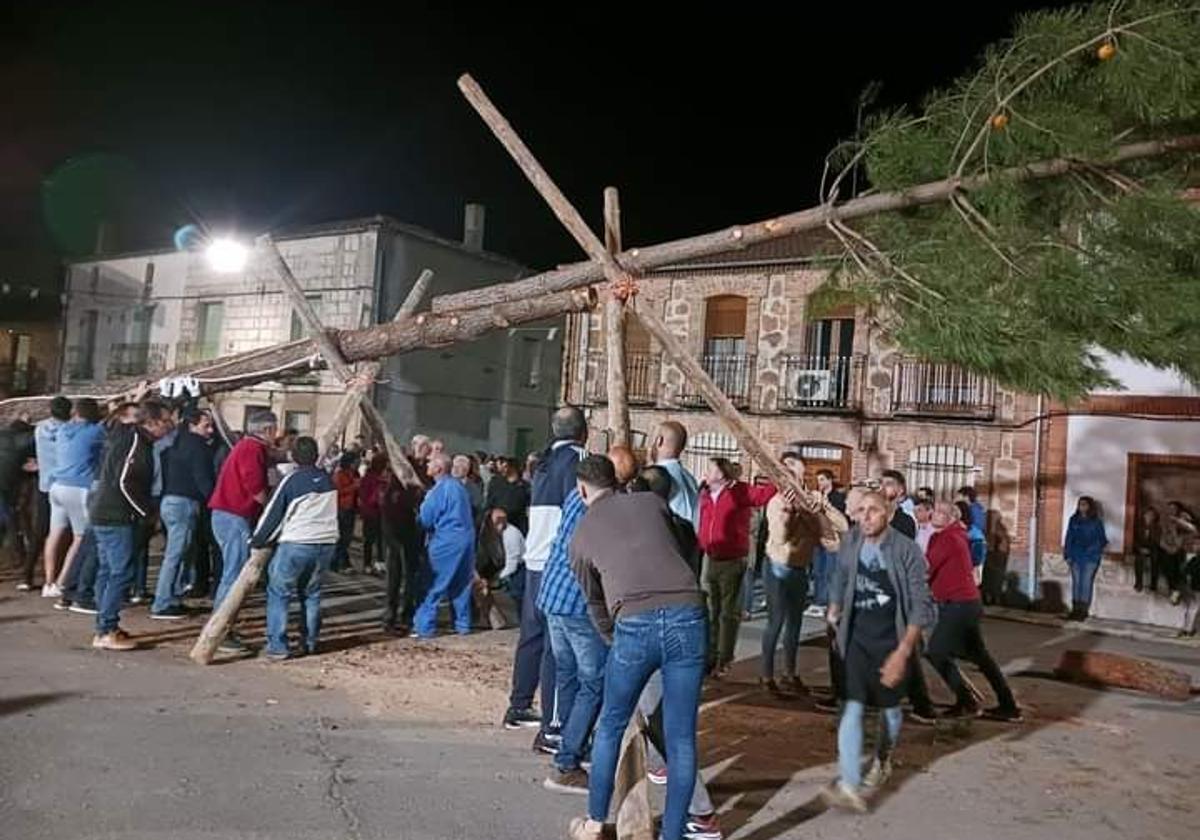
(295, 571)
(674, 639)
(579, 657)
(81, 583)
(850, 739)
(114, 572)
(1083, 577)
(232, 534)
(453, 565)
(823, 562)
(179, 518)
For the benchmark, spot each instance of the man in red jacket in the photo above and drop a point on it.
(725, 505)
(238, 501)
(958, 633)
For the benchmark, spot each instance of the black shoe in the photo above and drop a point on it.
(1003, 715)
(828, 705)
(84, 607)
(172, 613)
(232, 644)
(547, 742)
(796, 686)
(521, 719)
(62, 604)
(961, 710)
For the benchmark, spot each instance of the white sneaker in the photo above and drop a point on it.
(815, 611)
(51, 590)
(24, 587)
(878, 774)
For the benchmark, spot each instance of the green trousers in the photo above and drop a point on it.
(723, 584)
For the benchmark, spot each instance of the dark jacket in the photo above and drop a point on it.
(907, 571)
(122, 490)
(302, 510)
(553, 480)
(16, 446)
(904, 523)
(512, 497)
(188, 467)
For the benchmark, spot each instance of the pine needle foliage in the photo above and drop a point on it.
(1027, 282)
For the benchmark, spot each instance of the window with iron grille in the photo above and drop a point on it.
(942, 468)
(705, 446)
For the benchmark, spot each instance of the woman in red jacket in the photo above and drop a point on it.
(370, 499)
(345, 479)
(725, 506)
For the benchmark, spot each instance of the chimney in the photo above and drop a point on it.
(473, 227)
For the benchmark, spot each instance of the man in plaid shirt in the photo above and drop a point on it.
(579, 653)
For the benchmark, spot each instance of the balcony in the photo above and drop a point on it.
(192, 352)
(136, 359)
(643, 373)
(821, 383)
(78, 364)
(941, 390)
(733, 374)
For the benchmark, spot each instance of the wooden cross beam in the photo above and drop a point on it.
(356, 396)
(617, 275)
(614, 318)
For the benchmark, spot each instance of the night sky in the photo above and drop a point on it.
(254, 115)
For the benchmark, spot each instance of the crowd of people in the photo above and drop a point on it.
(634, 589)
(629, 579)
(86, 489)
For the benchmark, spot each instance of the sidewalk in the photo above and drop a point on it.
(1104, 627)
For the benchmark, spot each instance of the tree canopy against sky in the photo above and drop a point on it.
(1026, 281)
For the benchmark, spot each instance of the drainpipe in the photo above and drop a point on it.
(1034, 535)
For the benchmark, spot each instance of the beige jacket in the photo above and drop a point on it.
(793, 534)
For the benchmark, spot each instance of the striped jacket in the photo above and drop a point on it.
(302, 510)
(553, 480)
(122, 489)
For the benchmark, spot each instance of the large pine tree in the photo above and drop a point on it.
(1026, 281)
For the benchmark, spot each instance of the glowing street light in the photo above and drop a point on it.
(227, 256)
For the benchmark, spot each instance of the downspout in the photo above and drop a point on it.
(1034, 535)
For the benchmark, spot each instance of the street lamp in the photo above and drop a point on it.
(227, 256)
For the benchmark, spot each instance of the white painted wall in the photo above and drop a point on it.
(1097, 461)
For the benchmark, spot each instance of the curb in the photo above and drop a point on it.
(1098, 626)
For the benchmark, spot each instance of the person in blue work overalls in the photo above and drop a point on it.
(449, 527)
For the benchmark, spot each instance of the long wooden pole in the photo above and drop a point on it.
(370, 371)
(614, 316)
(574, 223)
(219, 622)
(298, 358)
(742, 236)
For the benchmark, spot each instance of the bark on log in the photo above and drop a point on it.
(370, 371)
(223, 617)
(614, 314)
(639, 260)
(297, 358)
(631, 790)
(615, 273)
(337, 362)
(1110, 669)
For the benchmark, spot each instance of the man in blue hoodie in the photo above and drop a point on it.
(553, 481)
(301, 521)
(78, 457)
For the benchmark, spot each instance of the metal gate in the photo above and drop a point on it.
(944, 469)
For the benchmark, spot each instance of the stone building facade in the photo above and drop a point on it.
(829, 384)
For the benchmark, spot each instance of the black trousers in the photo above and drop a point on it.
(205, 557)
(31, 525)
(372, 537)
(1151, 557)
(404, 557)
(959, 635)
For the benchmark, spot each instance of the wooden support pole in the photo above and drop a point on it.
(614, 273)
(614, 316)
(370, 371)
(337, 363)
(223, 617)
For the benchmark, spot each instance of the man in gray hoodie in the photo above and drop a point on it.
(879, 602)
